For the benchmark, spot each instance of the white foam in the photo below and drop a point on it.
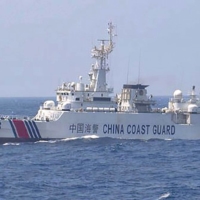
(168, 139)
(68, 139)
(14, 144)
(52, 141)
(163, 196)
(82, 137)
(41, 141)
(90, 136)
(46, 141)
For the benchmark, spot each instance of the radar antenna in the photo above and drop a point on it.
(103, 52)
(99, 69)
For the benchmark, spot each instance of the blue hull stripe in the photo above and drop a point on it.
(36, 128)
(33, 130)
(29, 130)
(13, 128)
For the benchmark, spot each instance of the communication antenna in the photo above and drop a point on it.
(139, 67)
(128, 70)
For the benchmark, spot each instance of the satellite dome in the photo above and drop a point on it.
(178, 94)
(193, 108)
(48, 104)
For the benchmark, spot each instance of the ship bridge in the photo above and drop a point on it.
(134, 98)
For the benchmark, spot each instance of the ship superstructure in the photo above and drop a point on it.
(95, 96)
(134, 99)
(80, 96)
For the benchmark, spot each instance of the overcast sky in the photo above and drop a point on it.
(46, 42)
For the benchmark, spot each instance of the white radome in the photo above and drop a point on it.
(193, 108)
(178, 94)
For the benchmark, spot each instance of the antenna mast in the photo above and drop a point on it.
(139, 68)
(99, 69)
(104, 50)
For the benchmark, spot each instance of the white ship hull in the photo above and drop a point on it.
(88, 109)
(142, 126)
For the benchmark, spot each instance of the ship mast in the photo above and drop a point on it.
(99, 69)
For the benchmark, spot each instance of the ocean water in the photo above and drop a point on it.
(97, 168)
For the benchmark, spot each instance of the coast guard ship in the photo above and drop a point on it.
(89, 109)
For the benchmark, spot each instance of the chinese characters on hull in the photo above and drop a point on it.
(83, 128)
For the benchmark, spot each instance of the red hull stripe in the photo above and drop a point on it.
(20, 128)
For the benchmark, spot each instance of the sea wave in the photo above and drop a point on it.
(82, 137)
(68, 139)
(164, 196)
(9, 144)
(46, 141)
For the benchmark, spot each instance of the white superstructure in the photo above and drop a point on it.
(90, 109)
